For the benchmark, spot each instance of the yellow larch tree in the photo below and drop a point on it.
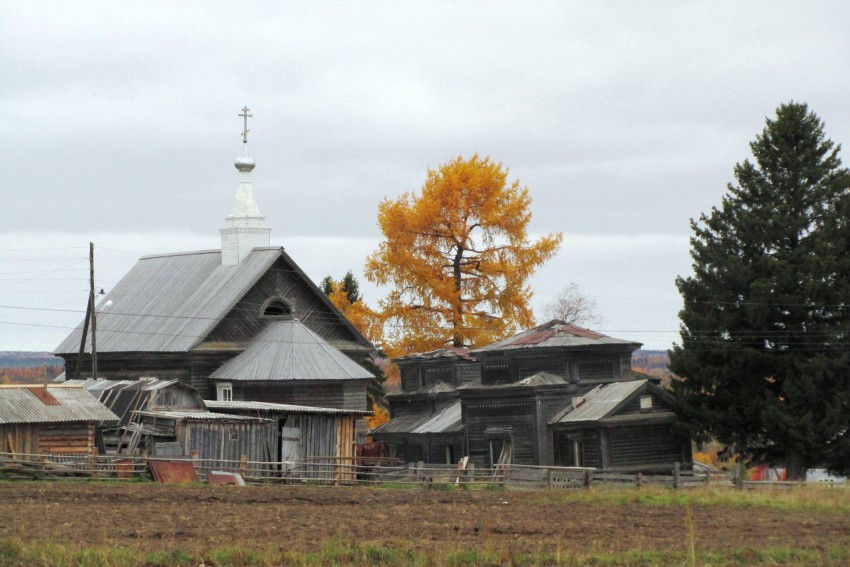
(457, 258)
(370, 323)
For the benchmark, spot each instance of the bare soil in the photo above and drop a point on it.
(155, 516)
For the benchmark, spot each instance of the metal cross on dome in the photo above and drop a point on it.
(245, 130)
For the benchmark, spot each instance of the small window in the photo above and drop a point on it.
(225, 392)
(645, 403)
(277, 308)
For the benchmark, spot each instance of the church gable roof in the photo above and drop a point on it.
(172, 302)
(288, 350)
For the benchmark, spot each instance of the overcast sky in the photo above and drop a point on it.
(624, 120)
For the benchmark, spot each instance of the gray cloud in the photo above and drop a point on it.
(622, 119)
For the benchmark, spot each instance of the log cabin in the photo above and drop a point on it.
(52, 419)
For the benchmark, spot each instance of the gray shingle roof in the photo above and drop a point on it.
(538, 379)
(19, 404)
(288, 350)
(553, 334)
(461, 353)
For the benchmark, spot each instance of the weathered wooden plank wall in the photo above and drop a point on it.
(227, 441)
(350, 394)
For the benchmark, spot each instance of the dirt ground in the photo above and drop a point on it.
(153, 516)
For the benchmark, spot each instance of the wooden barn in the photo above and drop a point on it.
(204, 434)
(185, 315)
(509, 393)
(625, 426)
(50, 419)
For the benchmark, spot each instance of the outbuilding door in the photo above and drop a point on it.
(290, 444)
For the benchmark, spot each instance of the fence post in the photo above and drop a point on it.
(677, 479)
(243, 465)
(548, 478)
(639, 480)
(739, 481)
(94, 462)
(588, 479)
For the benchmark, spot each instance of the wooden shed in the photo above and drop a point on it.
(207, 435)
(49, 419)
(302, 432)
(625, 426)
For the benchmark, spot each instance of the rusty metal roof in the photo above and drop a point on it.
(289, 350)
(554, 334)
(27, 404)
(267, 407)
(600, 402)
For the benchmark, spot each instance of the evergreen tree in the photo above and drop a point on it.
(327, 285)
(765, 351)
(351, 287)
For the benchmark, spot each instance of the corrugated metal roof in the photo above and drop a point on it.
(196, 415)
(553, 334)
(279, 408)
(18, 404)
(288, 350)
(447, 420)
(402, 424)
(599, 402)
(168, 303)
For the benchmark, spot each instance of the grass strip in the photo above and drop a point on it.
(14, 553)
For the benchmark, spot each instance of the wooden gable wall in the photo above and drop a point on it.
(282, 280)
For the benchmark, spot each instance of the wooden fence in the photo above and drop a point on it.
(369, 471)
(349, 470)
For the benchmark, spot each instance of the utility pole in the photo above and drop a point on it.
(89, 310)
(93, 311)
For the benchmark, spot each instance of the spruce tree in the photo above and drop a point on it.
(765, 344)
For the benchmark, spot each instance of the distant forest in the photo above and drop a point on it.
(29, 367)
(653, 362)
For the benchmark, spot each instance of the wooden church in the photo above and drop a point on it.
(240, 323)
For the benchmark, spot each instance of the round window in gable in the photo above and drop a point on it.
(277, 308)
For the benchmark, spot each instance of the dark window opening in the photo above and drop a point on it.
(276, 308)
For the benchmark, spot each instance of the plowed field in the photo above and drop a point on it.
(155, 517)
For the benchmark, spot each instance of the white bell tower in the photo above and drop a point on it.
(244, 228)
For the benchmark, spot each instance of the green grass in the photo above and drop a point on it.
(795, 499)
(348, 553)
